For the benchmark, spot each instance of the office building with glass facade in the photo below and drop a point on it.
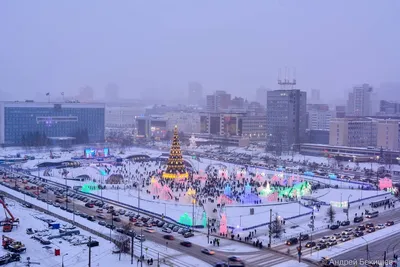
(31, 123)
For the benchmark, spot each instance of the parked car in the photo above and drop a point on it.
(166, 230)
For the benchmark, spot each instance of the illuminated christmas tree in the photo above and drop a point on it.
(175, 166)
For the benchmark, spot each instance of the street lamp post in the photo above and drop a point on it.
(240, 216)
(366, 247)
(62, 259)
(348, 206)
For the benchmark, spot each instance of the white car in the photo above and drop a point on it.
(380, 226)
(345, 238)
(325, 239)
(166, 230)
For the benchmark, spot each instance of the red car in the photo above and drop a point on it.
(186, 244)
(169, 237)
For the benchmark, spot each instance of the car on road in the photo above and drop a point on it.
(334, 227)
(345, 223)
(234, 259)
(380, 226)
(358, 234)
(111, 226)
(208, 251)
(369, 225)
(186, 244)
(310, 244)
(138, 224)
(100, 216)
(304, 237)
(348, 231)
(331, 243)
(169, 237)
(99, 210)
(141, 238)
(325, 239)
(360, 228)
(292, 241)
(188, 234)
(102, 223)
(345, 238)
(320, 246)
(149, 230)
(389, 223)
(370, 230)
(166, 230)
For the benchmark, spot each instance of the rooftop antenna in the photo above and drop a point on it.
(287, 83)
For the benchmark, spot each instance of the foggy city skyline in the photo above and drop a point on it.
(148, 50)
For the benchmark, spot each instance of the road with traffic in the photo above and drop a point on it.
(388, 215)
(255, 258)
(374, 250)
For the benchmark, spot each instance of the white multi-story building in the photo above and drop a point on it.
(359, 102)
(122, 115)
(187, 122)
(319, 116)
(365, 132)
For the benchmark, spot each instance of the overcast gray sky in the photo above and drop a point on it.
(226, 45)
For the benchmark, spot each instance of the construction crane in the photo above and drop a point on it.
(8, 223)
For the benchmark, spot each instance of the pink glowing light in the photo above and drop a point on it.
(385, 183)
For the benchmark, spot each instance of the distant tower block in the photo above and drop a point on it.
(175, 166)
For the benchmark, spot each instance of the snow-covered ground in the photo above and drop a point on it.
(238, 216)
(77, 255)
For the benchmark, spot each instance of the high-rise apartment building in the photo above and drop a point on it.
(261, 96)
(319, 116)
(286, 119)
(219, 101)
(315, 96)
(359, 101)
(195, 93)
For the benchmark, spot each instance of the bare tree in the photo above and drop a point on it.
(330, 213)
